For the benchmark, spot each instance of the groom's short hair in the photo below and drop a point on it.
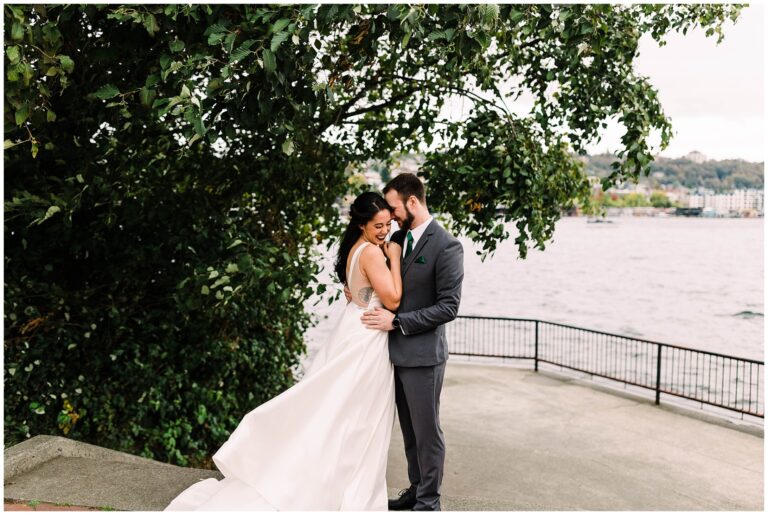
(407, 184)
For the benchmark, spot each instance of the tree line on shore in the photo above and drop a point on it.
(718, 176)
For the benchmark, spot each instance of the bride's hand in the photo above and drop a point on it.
(393, 250)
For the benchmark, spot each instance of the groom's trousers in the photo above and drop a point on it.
(417, 395)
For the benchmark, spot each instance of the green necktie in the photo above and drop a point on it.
(409, 248)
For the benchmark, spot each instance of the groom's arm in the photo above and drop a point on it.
(449, 273)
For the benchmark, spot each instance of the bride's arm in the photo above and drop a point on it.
(386, 282)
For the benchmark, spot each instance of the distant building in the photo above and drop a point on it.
(696, 157)
(407, 163)
(373, 178)
(735, 202)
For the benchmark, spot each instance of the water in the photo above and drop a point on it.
(686, 281)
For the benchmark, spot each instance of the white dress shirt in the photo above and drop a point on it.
(416, 232)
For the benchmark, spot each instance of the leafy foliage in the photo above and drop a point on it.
(169, 169)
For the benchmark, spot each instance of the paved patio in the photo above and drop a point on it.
(516, 440)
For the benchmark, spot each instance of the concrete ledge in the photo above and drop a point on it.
(42, 448)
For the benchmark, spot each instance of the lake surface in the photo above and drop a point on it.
(686, 281)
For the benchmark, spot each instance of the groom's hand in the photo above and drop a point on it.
(379, 318)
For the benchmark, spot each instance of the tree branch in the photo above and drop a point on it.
(464, 92)
(382, 105)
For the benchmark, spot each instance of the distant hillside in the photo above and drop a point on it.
(715, 175)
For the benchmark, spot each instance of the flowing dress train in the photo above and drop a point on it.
(321, 444)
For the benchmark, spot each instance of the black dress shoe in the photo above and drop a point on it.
(406, 501)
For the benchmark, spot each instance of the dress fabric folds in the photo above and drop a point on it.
(321, 444)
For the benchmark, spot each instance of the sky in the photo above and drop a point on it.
(714, 94)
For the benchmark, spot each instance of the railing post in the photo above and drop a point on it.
(658, 373)
(536, 349)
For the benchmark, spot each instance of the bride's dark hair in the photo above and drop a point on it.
(363, 209)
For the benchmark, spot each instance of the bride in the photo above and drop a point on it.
(323, 443)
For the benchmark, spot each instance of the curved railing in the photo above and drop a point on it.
(711, 378)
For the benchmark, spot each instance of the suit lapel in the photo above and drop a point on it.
(419, 246)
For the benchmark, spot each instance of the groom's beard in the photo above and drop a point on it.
(408, 222)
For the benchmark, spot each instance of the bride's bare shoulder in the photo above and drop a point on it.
(371, 253)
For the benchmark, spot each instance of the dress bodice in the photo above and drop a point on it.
(361, 289)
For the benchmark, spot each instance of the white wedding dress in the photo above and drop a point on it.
(323, 443)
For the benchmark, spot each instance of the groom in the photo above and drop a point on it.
(432, 269)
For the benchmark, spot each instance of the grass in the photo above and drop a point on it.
(34, 502)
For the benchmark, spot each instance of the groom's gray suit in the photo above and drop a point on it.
(432, 275)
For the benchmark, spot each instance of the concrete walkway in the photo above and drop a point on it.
(516, 440)
(536, 441)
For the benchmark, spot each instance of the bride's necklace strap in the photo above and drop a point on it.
(356, 255)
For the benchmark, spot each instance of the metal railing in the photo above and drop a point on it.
(706, 377)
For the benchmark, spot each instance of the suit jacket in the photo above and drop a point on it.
(432, 276)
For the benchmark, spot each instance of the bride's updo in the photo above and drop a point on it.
(363, 209)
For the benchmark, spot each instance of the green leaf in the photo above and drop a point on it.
(280, 25)
(199, 127)
(216, 27)
(224, 279)
(201, 414)
(22, 114)
(150, 23)
(215, 84)
(8, 144)
(14, 71)
(146, 96)
(17, 31)
(241, 52)
(37, 408)
(50, 116)
(489, 13)
(229, 41)
(107, 91)
(67, 64)
(216, 38)
(288, 147)
(204, 290)
(406, 38)
(270, 64)
(13, 53)
(51, 211)
(28, 72)
(277, 39)
(176, 45)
